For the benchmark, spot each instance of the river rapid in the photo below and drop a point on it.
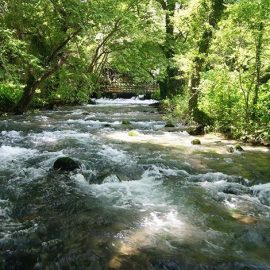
(144, 202)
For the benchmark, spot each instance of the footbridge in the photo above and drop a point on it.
(121, 89)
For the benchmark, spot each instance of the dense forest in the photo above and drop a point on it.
(209, 58)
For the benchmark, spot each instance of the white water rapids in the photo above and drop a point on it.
(141, 200)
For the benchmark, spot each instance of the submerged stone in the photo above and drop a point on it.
(236, 189)
(196, 142)
(66, 164)
(246, 219)
(111, 179)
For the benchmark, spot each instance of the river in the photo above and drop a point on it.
(149, 201)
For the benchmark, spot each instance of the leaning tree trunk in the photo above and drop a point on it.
(32, 85)
(27, 96)
(54, 61)
(215, 15)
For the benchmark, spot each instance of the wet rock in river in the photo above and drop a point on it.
(262, 192)
(92, 102)
(133, 133)
(196, 142)
(107, 125)
(21, 259)
(111, 179)
(196, 130)
(238, 147)
(236, 189)
(66, 164)
(169, 124)
(126, 122)
(230, 149)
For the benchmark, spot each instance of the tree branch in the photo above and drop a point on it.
(58, 49)
(163, 4)
(104, 41)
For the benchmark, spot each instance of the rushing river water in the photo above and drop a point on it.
(151, 201)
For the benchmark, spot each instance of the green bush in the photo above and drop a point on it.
(222, 97)
(9, 95)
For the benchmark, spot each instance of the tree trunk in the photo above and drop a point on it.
(31, 87)
(170, 85)
(28, 93)
(259, 45)
(51, 67)
(215, 15)
(194, 84)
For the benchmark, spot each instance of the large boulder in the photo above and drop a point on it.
(66, 164)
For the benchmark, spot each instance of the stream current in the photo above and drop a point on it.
(137, 202)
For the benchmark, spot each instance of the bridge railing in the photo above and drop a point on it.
(120, 87)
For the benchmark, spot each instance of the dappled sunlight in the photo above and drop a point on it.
(156, 231)
(182, 140)
(245, 219)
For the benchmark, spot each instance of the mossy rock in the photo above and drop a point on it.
(202, 118)
(66, 164)
(126, 122)
(196, 142)
(196, 130)
(133, 133)
(239, 148)
(169, 124)
(230, 149)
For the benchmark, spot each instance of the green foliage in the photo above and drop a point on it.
(233, 79)
(177, 108)
(156, 95)
(61, 50)
(220, 97)
(9, 95)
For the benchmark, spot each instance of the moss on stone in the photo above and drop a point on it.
(133, 133)
(126, 122)
(238, 147)
(196, 142)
